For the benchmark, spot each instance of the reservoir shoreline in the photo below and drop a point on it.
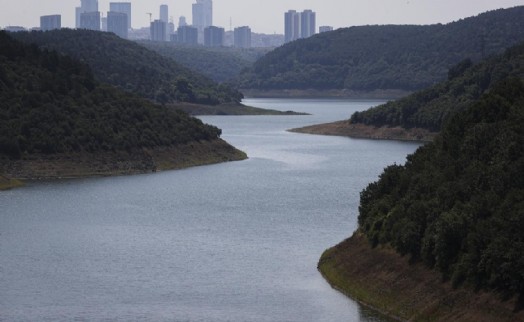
(114, 163)
(387, 282)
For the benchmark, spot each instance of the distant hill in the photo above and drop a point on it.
(132, 67)
(370, 58)
(219, 64)
(52, 105)
(429, 108)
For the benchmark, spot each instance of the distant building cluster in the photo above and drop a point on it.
(200, 32)
(299, 24)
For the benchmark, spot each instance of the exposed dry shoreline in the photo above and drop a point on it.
(362, 131)
(75, 165)
(384, 280)
(228, 109)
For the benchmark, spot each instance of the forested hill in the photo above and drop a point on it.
(51, 103)
(221, 64)
(133, 68)
(457, 204)
(430, 108)
(368, 58)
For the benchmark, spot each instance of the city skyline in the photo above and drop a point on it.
(266, 16)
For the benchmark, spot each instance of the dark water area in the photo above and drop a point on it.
(236, 241)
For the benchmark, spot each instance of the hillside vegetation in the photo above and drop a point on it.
(369, 58)
(52, 104)
(457, 204)
(430, 108)
(220, 64)
(133, 68)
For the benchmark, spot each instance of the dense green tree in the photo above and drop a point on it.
(368, 58)
(50, 103)
(129, 66)
(458, 202)
(429, 108)
(221, 64)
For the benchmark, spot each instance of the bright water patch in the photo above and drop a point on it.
(229, 242)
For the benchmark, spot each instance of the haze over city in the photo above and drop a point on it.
(267, 16)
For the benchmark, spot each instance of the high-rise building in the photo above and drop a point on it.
(182, 21)
(89, 5)
(158, 30)
(86, 6)
(214, 36)
(123, 7)
(117, 23)
(242, 37)
(187, 35)
(164, 13)
(103, 24)
(292, 25)
(164, 17)
(90, 20)
(50, 22)
(299, 25)
(325, 29)
(202, 16)
(307, 23)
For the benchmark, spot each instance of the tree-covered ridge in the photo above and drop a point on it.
(458, 202)
(385, 57)
(220, 64)
(133, 68)
(51, 103)
(430, 108)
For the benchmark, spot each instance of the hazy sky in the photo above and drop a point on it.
(267, 16)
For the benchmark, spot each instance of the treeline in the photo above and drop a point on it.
(368, 58)
(457, 204)
(133, 68)
(430, 108)
(221, 64)
(50, 103)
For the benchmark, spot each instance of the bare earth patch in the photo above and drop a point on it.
(384, 280)
(73, 165)
(362, 131)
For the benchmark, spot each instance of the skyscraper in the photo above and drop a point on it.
(89, 5)
(187, 35)
(214, 36)
(117, 23)
(50, 22)
(123, 7)
(86, 6)
(90, 20)
(164, 13)
(307, 23)
(164, 17)
(182, 21)
(299, 25)
(202, 16)
(292, 25)
(242, 37)
(158, 30)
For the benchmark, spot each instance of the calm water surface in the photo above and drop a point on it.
(230, 242)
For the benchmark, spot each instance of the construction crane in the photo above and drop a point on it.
(150, 16)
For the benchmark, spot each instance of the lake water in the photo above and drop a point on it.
(236, 241)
